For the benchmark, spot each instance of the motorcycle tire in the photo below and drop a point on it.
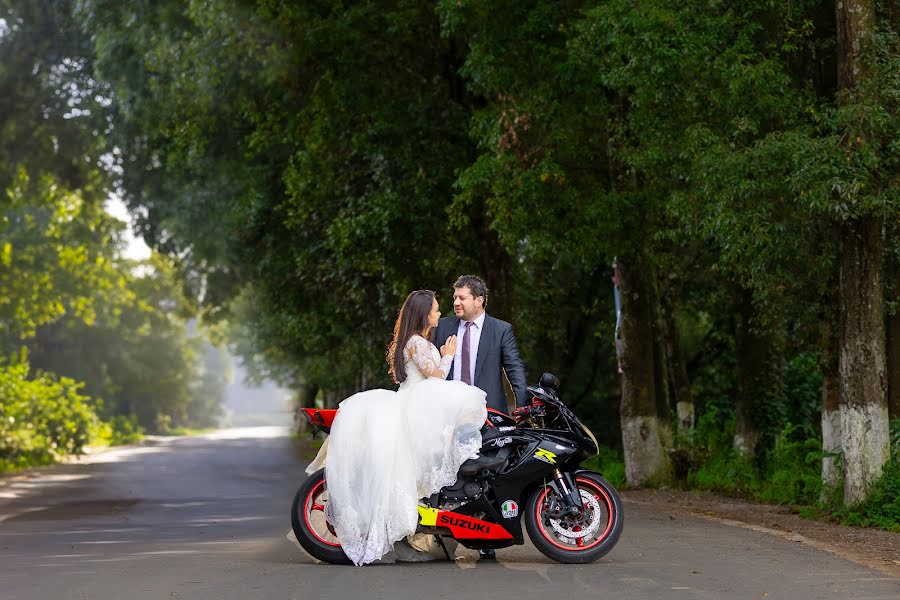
(577, 540)
(314, 534)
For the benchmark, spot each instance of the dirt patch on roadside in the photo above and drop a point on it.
(870, 547)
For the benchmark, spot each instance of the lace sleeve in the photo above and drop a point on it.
(422, 352)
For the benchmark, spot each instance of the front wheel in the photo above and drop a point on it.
(313, 532)
(577, 539)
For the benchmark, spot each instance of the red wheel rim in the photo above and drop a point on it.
(600, 494)
(310, 504)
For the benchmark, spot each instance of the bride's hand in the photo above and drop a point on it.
(449, 347)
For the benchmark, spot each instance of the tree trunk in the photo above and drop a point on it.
(893, 361)
(677, 372)
(752, 350)
(831, 414)
(305, 397)
(646, 460)
(865, 441)
(661, 365)
(497, 273)
(855, 20)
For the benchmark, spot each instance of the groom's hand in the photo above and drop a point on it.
(449, 347)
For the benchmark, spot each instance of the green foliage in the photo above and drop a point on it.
(803, 396)
(716, 465)
(793, 472)
(610, 464)
(83, 313)
(121, 430)
(41, 418)
(881, 508)
(895, 440)
(57, 255)
(188, 430)
(790, 475)
(332, 205)
(305, 165)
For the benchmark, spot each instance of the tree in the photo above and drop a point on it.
(863, 403)
(329, 181)
(66, 295)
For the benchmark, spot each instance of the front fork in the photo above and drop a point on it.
(567, 492)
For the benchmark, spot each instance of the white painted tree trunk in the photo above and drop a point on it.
(863, 378)
(831, 442)
(865, 443)
(645, 436)
(685, 412)
(645, 458)
(745, 443)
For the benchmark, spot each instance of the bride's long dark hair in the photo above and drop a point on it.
(412, 320)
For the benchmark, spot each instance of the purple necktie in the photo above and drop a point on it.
(466, 375)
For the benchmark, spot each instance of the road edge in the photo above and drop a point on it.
(890, 570)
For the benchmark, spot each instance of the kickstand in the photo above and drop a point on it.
(440, 540)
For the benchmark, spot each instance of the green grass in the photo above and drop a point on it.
(882, 507)
(182, 431)
(791, 474)
(610, 464)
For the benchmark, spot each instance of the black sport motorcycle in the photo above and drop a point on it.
(528, 468)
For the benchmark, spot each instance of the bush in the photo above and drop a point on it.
(790, 475)
(118, 431)
(793, 474)
(42, 418)
(882, 508)
(726, 471)
(610, 464)
(711, 461)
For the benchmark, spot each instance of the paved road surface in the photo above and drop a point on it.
(206, 517)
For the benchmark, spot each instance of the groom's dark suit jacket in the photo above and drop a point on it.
(497, 352)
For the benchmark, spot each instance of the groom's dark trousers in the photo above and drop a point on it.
(497, 352)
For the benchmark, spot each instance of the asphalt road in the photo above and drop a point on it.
(207, 517)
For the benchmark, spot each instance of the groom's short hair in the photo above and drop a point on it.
(475, 284)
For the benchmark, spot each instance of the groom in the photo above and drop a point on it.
(486, 347)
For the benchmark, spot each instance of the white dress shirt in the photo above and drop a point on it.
(474, 337)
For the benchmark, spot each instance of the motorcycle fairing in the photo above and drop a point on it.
(462, 527)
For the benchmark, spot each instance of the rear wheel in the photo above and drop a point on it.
(313, 532)
(576, 539)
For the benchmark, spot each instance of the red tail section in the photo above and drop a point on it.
(320, 417)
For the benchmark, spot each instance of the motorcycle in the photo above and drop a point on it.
(529, 460)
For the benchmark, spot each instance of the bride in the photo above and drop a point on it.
(387, 449)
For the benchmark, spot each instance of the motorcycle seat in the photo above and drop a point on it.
(482, 463)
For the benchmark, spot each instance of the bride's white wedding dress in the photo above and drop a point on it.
(388, 449)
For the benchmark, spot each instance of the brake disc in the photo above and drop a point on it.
(589, 503)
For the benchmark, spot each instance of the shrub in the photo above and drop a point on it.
(882, 508)
(726, 471)
(793, 473)
(117, 431)
(42, 418)
(610, 464)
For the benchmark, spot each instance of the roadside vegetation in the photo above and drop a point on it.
(95, 348)
(299, 167)
(790, 475)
